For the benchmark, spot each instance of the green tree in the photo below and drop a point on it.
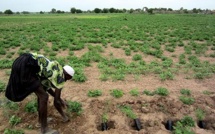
(112, 10)
(53, 10)
(8, 11)
(97, 10)
(150, 11)
(73, 10)
(105, 10)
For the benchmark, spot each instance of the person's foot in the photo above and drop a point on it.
(38, 125)
(65, 119)
(51, 131)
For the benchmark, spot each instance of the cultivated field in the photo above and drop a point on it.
(152, 67)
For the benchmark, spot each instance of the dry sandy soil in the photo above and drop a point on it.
(153, 111)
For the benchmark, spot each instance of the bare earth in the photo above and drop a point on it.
(153, 111)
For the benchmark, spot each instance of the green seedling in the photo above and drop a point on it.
(116, 93)
(134, 92)
(206, 92)
(149, 93)
(162, 91)
(128, 111)
(200, 114)
(94, 93)
(185, 92)
(31, 106)
(13, 131)
(2, 86)
(75, 107)
(187, 100)
(14, 120)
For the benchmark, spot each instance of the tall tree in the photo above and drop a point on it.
(73, 10)
(53, 10)
(8, 11)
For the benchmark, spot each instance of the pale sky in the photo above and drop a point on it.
(66, 5)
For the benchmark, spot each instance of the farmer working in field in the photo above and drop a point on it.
(32, 72)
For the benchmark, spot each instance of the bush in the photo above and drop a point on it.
(2, 86)
(74, 106)
(187, 100)
(162, 91)
(94, 93)
(14, 120)
(31, 107)
(116, 93)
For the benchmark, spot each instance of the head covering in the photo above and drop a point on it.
(69, 70)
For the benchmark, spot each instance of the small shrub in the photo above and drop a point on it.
(137, 57)
(14, 120)
(2, 86)
(200, 114)
(128, 111)
(185, 92)
(188, 121)
(12, 105)
(134, 92)
(13, 131)
(117, 93)
(162, 91)
(31, 107)
(74, 106)
(187, 100)
(94, 93)
(149, 93)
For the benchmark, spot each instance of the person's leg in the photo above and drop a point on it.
(42, 108)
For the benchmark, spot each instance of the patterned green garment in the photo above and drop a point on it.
(51, 72)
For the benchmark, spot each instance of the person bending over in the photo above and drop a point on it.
(32, 72)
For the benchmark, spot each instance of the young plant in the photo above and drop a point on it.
(2, 86)
(116, 93)
(200, 114)
(185, 92)
(134, 92)
(31, 106)
(187, 100)
(162, 91)
(94, 93)
(74, 106)
(128, 111)
(14, 120)
(13, 131)
(149, 93)
(206, 92)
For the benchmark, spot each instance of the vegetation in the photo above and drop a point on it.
(94, 93)
(31, 106)
(128, 111)
(75, 107)
(183, 126)
(117, 93)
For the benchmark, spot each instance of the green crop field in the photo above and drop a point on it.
(118, 48)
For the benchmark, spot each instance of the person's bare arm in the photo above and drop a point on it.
(59, 103)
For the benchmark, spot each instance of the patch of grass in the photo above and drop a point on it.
(185, 92)
(117, 93)
(94, 93)
(162, 91)
(200, 114)
(31, 106)
(134, 92)
(128, 111)
(14, 120)
(74, 106)
(149, 93)
(2, 86)
(13, 131)
(184, 126)
(187, 100)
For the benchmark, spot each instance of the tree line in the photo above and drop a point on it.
(73, 10)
